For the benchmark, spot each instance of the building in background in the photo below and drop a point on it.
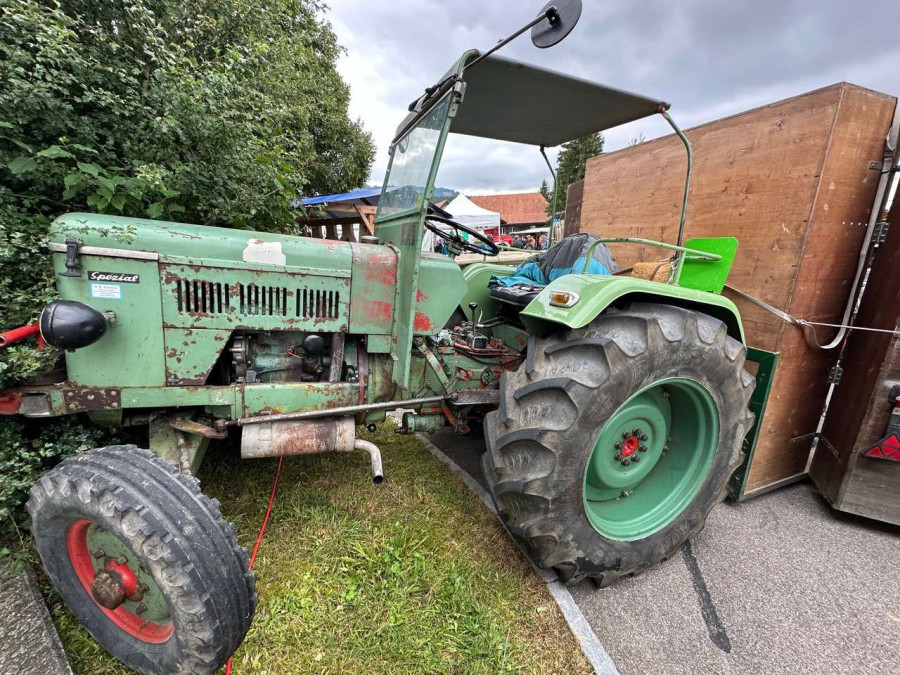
(518, 211)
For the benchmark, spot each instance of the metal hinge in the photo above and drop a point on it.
(879, 232)
(835, 374)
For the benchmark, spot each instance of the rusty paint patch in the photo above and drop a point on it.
(379, 310)
(420, 295)
(91, 398)
(422, 324)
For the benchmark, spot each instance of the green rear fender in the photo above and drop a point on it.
(597, 293)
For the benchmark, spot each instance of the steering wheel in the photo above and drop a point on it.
(455, 242)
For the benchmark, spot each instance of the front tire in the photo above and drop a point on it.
(144, 560)
(613, 442)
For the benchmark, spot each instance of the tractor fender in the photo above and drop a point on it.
(597, 293)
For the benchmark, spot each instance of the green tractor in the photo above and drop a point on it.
(614, 408)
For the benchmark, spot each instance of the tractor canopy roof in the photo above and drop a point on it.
(512, 101)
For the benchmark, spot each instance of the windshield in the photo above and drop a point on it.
(411, 163)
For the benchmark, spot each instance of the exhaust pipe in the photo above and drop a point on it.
(307, 437)
(374, 458)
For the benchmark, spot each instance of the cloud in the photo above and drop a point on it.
(707, 57)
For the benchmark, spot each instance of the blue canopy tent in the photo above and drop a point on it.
(347, 209)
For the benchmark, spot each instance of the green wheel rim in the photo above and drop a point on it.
(650, 459)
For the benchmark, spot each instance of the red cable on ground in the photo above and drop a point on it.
(262, 531)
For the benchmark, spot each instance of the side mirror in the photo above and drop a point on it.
(561, 17)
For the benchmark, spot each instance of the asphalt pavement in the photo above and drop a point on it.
(777, 584)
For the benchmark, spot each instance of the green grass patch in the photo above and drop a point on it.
(411, 576)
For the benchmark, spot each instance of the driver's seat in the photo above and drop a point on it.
(564, 257)
(519, 295)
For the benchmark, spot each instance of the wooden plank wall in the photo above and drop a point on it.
(572, 218)
(791, 181)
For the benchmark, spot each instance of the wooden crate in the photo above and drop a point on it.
(794, 182)
(860, 406)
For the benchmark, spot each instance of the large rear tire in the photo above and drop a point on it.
(613, 442)
(144, 560)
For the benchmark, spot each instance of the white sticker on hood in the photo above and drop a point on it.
(259, 251)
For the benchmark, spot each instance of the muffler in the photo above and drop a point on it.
(307, 437)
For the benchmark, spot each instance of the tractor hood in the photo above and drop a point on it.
(199, 244)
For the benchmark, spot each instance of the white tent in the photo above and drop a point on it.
(466, 212)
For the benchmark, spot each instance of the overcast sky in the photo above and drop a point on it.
(709, 58)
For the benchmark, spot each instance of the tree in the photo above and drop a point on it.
(215, 112)
(545, 191)
(571, 161)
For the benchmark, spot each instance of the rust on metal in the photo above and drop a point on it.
(83, 399)
(276, 439)
(337, 357)
(189, 426)
(327, 412)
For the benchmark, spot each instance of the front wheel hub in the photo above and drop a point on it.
(115, 583)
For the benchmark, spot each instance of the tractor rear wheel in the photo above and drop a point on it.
(143, 559)
(613, 442)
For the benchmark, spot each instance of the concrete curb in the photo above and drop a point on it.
(578, 624)
(29, 643)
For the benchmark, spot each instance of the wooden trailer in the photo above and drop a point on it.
(794, 181)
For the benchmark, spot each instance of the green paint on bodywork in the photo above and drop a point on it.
(199, 244)
(767, 363)
(191, 354)
(636, 495)
(252, 298)
(295, 396)
(596, 293)
(131, 352)
(708, 275)
(477, 276)
(441, 288)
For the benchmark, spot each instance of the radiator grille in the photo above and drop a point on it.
(209, 297)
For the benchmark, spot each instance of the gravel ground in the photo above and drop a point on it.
(778, 584)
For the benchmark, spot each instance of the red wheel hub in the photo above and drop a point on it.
(629, 446)
(111, 585)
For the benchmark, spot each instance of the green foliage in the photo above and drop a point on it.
(215, 112)
(571, 161)
(26, 453)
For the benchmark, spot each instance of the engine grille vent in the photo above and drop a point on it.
(209, 297)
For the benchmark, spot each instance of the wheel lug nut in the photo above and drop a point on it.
(642, 448)
(618, 457)
(618, 444)
(140, 609)
(636, 431)
(636, 459)
(626, 435)
(122, 560)
(626, 462)
(99, 553)
(643, 437)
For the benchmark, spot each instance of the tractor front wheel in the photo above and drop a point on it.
(143, 559)
(613, 442)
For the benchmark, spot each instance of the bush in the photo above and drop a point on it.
(215, 112)
(27, 451)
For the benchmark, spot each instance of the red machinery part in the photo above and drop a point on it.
(18, 334)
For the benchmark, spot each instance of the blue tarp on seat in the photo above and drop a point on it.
(565, 257)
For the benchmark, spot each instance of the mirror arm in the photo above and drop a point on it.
(551, 15)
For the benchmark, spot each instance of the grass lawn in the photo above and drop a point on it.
(411, 576)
